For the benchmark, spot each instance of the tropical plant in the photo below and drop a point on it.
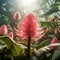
(28, 39)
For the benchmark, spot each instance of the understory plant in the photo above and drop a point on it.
(40, 41)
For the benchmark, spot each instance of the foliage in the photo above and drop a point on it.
(40, 49)
(11, 46)
(4, 20)
(51, 7)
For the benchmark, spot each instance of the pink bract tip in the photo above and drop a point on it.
(3, 30)
(54, 40)
(17, 16)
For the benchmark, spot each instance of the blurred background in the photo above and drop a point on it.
(44, 9)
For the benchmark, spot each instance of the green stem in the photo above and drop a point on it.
(28, 47)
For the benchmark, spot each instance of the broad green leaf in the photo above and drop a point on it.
(15, 49)
(56, 55)
(44, 43)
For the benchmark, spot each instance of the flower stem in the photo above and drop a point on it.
(28, 47)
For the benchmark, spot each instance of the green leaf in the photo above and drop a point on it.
(46, 24)
(51, 11)
(57, 0)
(2, 46)
(15, 49)
(56, 55)
(43, 43)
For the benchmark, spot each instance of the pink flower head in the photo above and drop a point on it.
(3, 30)
(10, 35)
(56, 31)
(30, 28)
(17, 16)
(54, 40)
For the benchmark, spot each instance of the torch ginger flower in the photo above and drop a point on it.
(56, 31)
(30, 27)
(3, 30)
(17, 16)
(54, 40)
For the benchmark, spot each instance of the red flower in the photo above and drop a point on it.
(30, 28)
(10, 35)
(54, 40)
(3, 30)
(56, 31)
(17, 16)
(59, 30)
